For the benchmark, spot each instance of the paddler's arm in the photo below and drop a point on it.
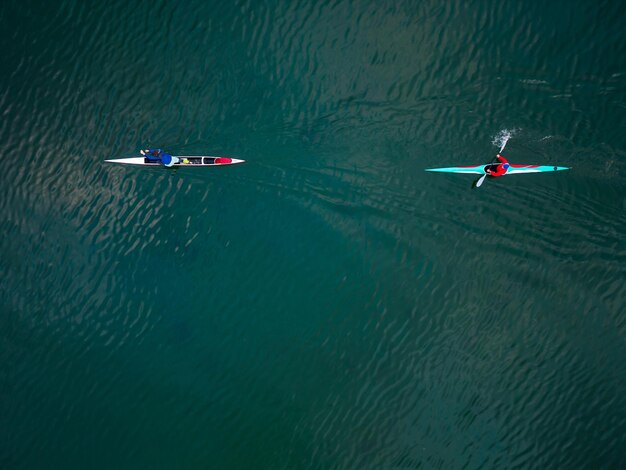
(502, 159)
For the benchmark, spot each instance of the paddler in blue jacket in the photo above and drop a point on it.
(159, 156)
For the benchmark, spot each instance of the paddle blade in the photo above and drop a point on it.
(503, 137)
(480, 180)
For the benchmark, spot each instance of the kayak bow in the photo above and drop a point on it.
(183, 161)
(513, 169)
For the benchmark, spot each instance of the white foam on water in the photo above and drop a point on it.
(502, 137)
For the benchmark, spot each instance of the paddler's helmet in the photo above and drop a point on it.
(506, 166)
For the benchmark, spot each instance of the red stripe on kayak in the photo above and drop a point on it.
(524, 166)
(222, 160)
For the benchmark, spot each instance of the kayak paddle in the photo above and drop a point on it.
(482, 178)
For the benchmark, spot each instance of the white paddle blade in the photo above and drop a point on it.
(480, 180)
(503, 145)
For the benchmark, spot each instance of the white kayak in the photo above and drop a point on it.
(183, 161)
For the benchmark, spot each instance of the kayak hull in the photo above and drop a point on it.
(183, 161)
(513, 169)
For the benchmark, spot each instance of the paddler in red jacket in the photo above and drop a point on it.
(498, 169)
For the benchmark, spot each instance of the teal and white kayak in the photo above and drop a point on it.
(513, 169)
(183, 161)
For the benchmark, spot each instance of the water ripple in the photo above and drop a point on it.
(374, 314)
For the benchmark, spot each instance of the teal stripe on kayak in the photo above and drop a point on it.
(478, 170)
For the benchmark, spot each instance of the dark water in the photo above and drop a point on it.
(328, 304)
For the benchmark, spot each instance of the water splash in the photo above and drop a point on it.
(503, 137)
